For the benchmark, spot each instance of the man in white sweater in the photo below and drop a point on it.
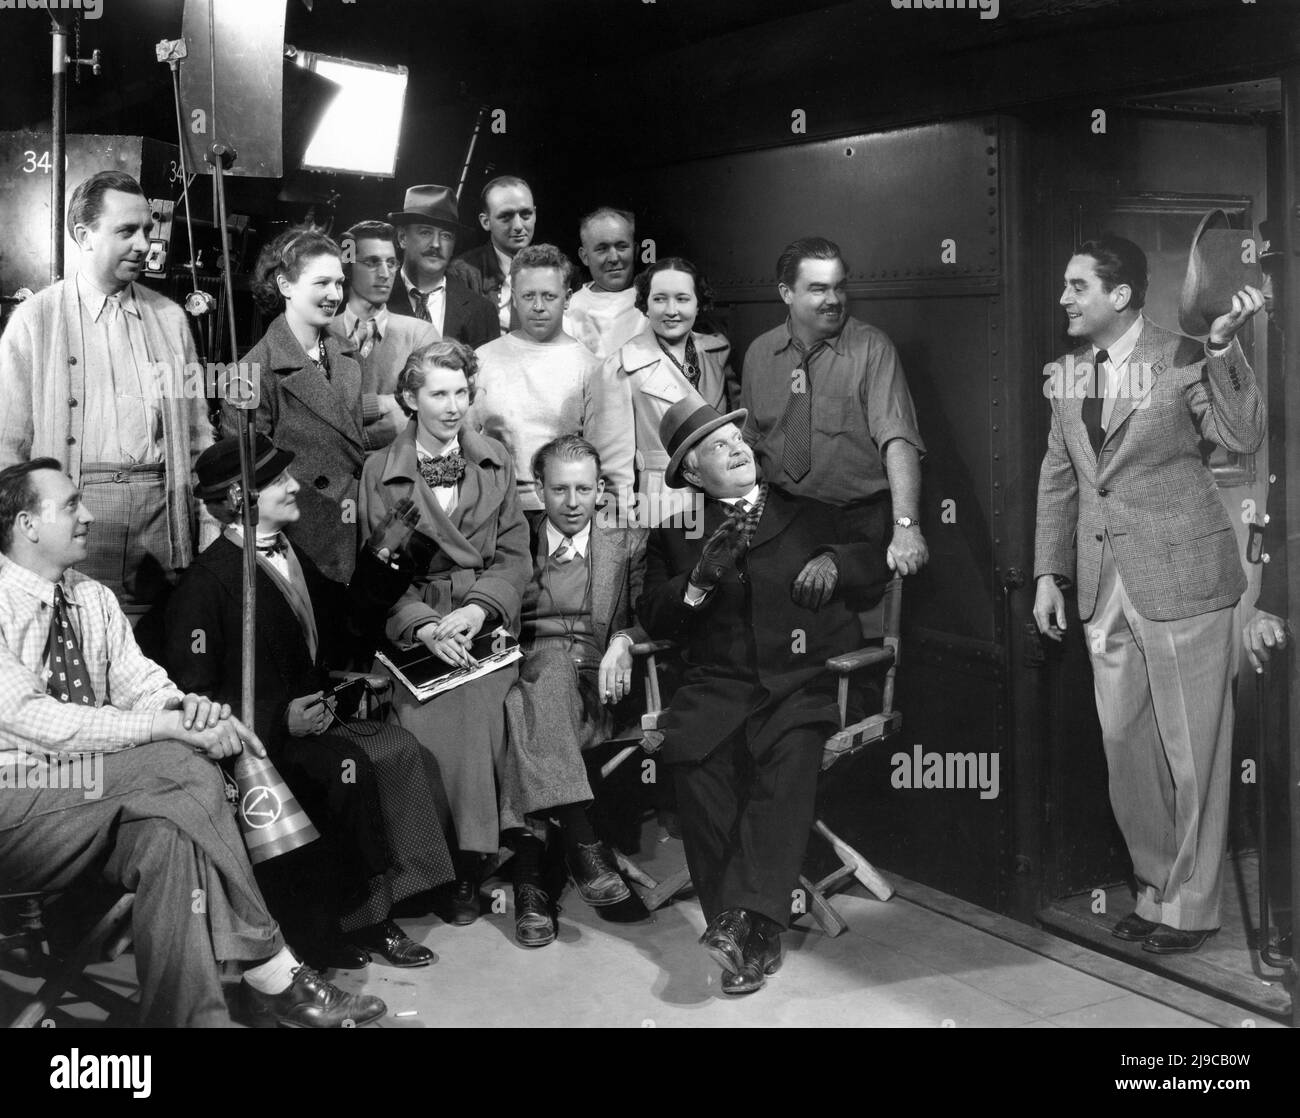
(602, 314)
(538, 382)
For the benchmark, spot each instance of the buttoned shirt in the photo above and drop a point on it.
(579, 542)
(860, 403)
(436, 301)
(129, 687)
(123, 392)
(1119, 379)
(380, 319)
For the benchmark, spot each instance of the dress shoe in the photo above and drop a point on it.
(457, 903)
(399, 949)
(1133, 928)
(335, 955)
(534, 916)
(725, 939)
(595, 875)
(763, 956)
(1176, 941)
(311, 1003)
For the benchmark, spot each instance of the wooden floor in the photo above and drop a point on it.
(1228, 966)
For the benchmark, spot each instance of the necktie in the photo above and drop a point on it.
(566, 552)
(1092, 404)
(445, 469)
(363, 335)
(69, 680)
(420, 303)
(275, 547)
(796, 422)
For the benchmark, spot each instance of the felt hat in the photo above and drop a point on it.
(218, 466)
(1215, 273)
(684, 425)
(428, 205)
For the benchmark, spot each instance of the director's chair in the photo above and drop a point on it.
(881, 626)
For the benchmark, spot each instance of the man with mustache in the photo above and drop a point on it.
(603, 314)
(830, 416)
(507, 212)
(101, 345)
(382, 341)
(427, 226)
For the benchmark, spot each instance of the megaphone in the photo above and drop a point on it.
(270, 817)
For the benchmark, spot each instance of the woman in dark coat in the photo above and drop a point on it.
(473, 527)
(308, 395)
(368, 787)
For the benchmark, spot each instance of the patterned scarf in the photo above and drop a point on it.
(752, 514)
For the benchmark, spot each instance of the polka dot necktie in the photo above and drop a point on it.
(69, 680)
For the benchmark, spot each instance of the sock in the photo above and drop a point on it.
(574, 826)
(528, 859)
(275, 975)
(467, 865)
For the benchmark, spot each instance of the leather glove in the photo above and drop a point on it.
(815, 584)
(722, 551)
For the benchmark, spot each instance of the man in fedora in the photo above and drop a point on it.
(758, 599)
(427, 226)
(1129, 512)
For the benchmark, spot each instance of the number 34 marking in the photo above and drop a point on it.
(31, 164)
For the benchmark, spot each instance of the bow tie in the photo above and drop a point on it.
(275, 547)
(445, 469)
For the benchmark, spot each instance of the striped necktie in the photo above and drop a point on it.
(796, 422)
(420, 303)
(69, 680)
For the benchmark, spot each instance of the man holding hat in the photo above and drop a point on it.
(1129, 511)
(758, 600)
(365, 785)
(427, 226)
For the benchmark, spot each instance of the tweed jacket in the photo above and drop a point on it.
(1150, 488)
(321, 422)
(42, 394)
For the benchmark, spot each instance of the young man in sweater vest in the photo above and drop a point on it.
(537, 382)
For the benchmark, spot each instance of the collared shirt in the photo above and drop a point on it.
(579, 542)
(1116, 373)
(448, 496)
(129, 687)
(122, 390)
(436, 301)
(380, 319)
(860, 403)
(503, 296)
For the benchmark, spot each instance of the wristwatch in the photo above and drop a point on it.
(905, 522)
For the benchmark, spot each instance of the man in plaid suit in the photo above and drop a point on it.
(1129, 511)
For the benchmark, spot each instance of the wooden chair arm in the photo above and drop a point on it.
(862, 658)
(651, 648)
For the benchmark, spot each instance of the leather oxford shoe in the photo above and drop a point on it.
(534, 916)
(457, 902)
(1133, 928)
(725, 939)
(336, 955)
(1176, 941)
(399, 949)
(763, 956)
(311, 1003)
(595, 875)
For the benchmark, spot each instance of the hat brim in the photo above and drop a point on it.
(673, 472)
(271, 469)
(407, 217)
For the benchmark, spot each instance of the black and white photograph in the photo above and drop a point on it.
(659, 514)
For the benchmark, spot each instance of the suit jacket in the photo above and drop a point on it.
(479, 554)
(1150, 487)
(42, 394)
(321, 422)
(748, 648)
(617, 557)
(403, 335)
(470, 318)
(479, 269)
(204, 650)
(654, 383)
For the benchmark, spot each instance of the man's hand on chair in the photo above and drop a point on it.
(815, 584)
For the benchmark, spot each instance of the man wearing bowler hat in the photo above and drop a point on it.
(758, 600)
(427, 226)
(1129, 511)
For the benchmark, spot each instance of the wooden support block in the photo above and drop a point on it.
(833, 924)
(668, 888)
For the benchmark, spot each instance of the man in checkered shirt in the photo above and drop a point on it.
(74, 682)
